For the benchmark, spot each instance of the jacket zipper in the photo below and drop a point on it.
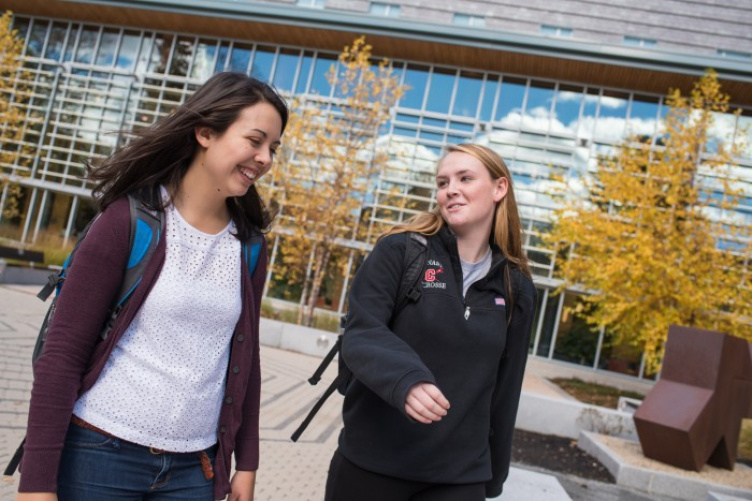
(467, 312)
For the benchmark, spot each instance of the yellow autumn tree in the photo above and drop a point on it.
(328, 168)
(13, 93)
(656, 240)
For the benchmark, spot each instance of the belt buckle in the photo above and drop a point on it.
(155, 451)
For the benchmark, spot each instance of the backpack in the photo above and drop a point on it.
(147, 225)
(416, 252)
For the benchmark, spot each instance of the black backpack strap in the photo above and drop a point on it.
(416, 251)
(316, 377)
(15, 460)
(341, 377)
(147, 225)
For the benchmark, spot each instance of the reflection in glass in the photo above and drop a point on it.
(240, 57)
(467, 95)
(612, 115)
(643, 115)
(744, 133)
(539, 101)
(56, 42)
(160, 53)
(107, 47)
(305, 70)
(589, 111)
(575, 341)
(204, 60)
(128, 53)
(263, 62)
(416, 79)
(86, 44)
(490, 87)
(284, 71)
(440, 90)
(547, 329)
(35, 43)
(320, 83)
(224, 51)
(181, 56)
(536, 320)
(567, 108)
(511, 100)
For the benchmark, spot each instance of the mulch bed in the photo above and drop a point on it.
(557, 454)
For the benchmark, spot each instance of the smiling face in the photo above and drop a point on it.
(234, 160)
(467, 195)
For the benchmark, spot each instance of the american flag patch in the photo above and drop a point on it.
(499, 301)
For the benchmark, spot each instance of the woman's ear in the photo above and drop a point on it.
(500, 189)
(203, 135)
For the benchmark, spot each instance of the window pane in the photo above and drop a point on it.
(509, 109)
(86, 44)
(489, 95)
(440, 92)
(468, 94)
(128, 53)
(305, 71)
(35, 44)
(263, 61)
(224, 51)
(643, 115)
(56, 42)
(320, 84)
(287, 65)
(567, 110)
(204, 60)
(539, 100)
(612, 116)
(547, 329)
(181, 56)
(415, 79)
(575, 341)
(107, 47)
(239, 57)
(160, 52)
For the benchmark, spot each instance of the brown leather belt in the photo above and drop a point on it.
(206, 465)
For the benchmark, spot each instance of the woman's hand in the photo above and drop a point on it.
(242, 486)
(425, 403)
(36, 496)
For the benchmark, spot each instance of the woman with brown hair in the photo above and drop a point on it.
(430, 413)
(157, 409)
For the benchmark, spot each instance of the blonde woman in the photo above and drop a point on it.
(431, 411)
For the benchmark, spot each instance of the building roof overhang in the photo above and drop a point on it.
(639, 69)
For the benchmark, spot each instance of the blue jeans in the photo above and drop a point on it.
(94, 467)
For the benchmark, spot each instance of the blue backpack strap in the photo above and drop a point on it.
(147, 225)
(251, 251)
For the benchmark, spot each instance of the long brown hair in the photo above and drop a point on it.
(162, 153)
(507, 230)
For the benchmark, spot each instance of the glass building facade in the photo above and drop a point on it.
(90, 80)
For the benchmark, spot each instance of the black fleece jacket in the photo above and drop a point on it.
(463, 346)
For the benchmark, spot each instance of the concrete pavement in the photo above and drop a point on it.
(289, 471)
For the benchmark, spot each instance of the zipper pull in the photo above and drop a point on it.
(467, 312)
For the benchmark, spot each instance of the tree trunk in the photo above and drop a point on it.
(317, 280)
(306, 285)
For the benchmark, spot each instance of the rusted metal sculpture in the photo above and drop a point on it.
(693, 414)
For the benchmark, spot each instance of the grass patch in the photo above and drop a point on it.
(321, 320)
(745, 441)
(594, 393)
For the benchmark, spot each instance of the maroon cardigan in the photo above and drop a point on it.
(74, 357)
